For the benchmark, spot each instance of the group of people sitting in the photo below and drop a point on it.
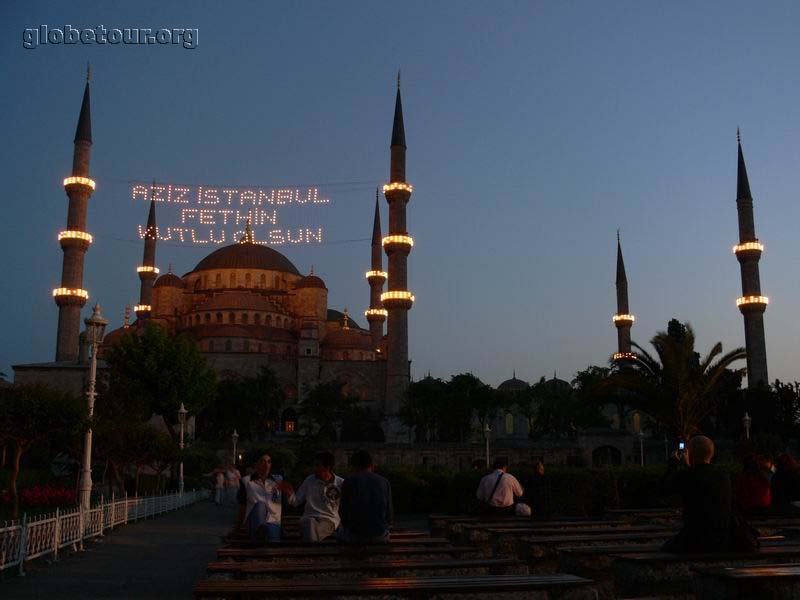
(500, 493)
(357, 509)
(768, 486)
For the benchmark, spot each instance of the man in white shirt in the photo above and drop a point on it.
(262, 516)
(321, 493)
(498, 489)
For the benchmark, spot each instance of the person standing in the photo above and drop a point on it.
(497, 490)
(321, 492)
(262, 513)
(366, 508)
(537, 492)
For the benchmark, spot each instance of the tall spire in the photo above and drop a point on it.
(84, 129)
(376, 315)
(248, 237)
(398, 128)
(147, 270)
(742, 183)
(623, 320)
(621, 277)
(377, 250)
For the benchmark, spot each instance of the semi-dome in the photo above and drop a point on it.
(348, 339)
(247, 256)
(169, 280)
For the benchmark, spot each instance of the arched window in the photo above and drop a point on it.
(245, 318)
(509, 424)
(218, 280)
(231, 317)
(197, 284)
(277, 282)
(289, 419)
(219, 317)
(269, 321)
(232, 280)
(346, 355)
(228, 346)
(248, 280)
(208, 317)
(262, 281)
(205, 281)
(257, 318)
(197, 319)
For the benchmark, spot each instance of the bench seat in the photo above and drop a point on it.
(335, 551)
(418, 587)
(765, 582)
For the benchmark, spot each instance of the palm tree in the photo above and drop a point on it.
(678, 389)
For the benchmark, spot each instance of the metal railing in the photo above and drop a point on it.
(28, 538)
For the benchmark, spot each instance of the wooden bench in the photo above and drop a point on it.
(547, 586)
(470, 532)
(350, 569)
(395, 538)
(500, 537)
(650, 572)
(322, 552)
(765, 582)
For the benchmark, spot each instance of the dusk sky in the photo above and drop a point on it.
(535, 130)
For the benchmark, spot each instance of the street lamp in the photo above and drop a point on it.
(182, 418)
(747, 422)
(234, 439)
(486, 431)
(95, 330)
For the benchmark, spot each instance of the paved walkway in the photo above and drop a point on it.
(160, 558)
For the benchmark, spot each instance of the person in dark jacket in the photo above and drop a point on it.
(537, 492)
(752, 495)
(705, 491)
(366, 507)
(786, 485)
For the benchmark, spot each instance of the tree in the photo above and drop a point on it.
(155, 372)
(677, 389)
(325, 409)
(32, 414)
(245, 404)
(589, 391)
(422, 408)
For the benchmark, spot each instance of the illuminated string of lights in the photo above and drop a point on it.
(75, 235)
(624, 356)
(623, 318)
(397, 295)
(147, 269)
(142, 308)
(376, 312)
(745, 300)
(71, 292)
(748, 247)
(377, 274)
(79, 181)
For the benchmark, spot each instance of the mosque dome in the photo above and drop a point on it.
(348, 339)
(512, 385)
(247, 256)
(169, 280)
(310, 281)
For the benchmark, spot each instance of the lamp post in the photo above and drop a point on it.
(95, 330)
(641, 448)
(234, 439)
(486, 432)
(747, 422)
(182, 418)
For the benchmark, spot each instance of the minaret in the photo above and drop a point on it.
(75, 240)
(751, 304)
(376, 277)
(623, 320)
(148, 270)
(397, 300)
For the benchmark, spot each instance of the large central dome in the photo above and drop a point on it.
(247, 256)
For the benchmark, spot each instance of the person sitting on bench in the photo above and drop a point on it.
(366, 508)
(321, 493)
(497, 490)
(262, 515)
(705, 491)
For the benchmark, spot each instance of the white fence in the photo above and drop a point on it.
(26, 539)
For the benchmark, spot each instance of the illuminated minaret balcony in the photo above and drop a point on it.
(376, 275)
(397, 299)
(81, 238)
(147, 269)
(758, 303)
(748, 251)
(624, 356)
(398, 242)
(84, 181)
(376, 313)
(70, 296)
(398, 185)
(622, 320)
(142, 308)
